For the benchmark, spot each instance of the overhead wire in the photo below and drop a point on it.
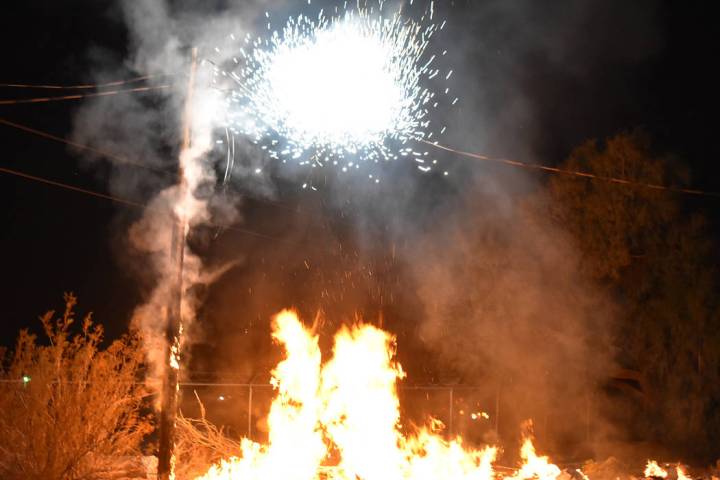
(575, 173)
(117, 199)
(477, 156)
(81, 96)
(257, 234)
(124, 160)
(46, 181)
(81, 146)
(85, 85)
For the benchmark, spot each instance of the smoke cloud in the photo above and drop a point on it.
(467, 270)
(147, 130)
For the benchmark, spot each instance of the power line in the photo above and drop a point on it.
(125, 160)
(84, 86)
(71, 187)
(81, 146)
(81, 96)
(477, 156)
(119, 200)
(562, 171)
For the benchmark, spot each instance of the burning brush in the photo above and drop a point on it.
(340, 420)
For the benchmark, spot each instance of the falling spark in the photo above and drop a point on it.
(348, 86)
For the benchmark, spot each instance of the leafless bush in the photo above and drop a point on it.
(70, 409)
(199, 444)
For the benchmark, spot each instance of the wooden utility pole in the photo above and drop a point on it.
(174, 311)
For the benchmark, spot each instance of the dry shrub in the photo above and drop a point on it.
(199, 444)
(80, 414)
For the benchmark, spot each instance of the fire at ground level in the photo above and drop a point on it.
(340, 419)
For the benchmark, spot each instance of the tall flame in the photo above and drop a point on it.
(295, 446)
(340, 420)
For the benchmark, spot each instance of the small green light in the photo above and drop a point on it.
(26, 379)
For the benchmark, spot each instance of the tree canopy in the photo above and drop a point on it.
(656, 262)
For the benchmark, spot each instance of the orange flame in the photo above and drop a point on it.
(681, 475)
(534, 466)
(341, 421)
(348, 406)
(654, 470)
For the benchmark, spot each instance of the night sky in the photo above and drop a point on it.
(624, 65)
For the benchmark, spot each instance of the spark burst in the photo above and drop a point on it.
(345, 90)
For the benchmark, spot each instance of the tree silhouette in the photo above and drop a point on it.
(656, 262)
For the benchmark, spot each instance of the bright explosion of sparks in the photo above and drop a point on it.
(337, 90)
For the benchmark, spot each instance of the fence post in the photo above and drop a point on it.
(497, 411)
(588, 407)
(249, 413)
(450, 422)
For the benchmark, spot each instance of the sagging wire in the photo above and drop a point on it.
(119, 200)
(120, 160)
(86, 85)
(575, 173)
(80, 96)
(123, 160)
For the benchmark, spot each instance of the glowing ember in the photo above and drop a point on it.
(338, 89)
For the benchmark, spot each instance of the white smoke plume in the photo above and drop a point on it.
(147, 130)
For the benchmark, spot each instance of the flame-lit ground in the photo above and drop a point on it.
(340, 420)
